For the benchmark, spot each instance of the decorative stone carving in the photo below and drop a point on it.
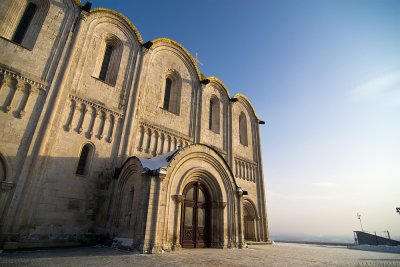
(179, 198)
(102, 119)
(245, 169)
(6, 186)
(156, 140)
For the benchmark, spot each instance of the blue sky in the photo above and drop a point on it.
(325, 76)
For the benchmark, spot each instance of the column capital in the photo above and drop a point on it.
(6, 186)
(179, 198)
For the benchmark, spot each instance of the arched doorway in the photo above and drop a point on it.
(195, 229)
(250, 216)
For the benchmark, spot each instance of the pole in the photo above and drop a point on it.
(359, 217)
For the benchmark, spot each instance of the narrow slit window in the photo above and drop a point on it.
(243, 129)
(24, 23)
(106, 62)
(214, 118)
(210, 125)
(83, 160)
(167, 95)
(2, 170)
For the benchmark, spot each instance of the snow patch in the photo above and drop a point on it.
(158, 162)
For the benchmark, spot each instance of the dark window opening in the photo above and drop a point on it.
(167, 95)
(24, 23)
(2, 170)
(214, 118)
(210, 124)
(83, 160)
(243, 129)
(106, 62)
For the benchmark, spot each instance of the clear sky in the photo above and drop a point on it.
(325, 76)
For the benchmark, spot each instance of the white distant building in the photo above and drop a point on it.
(105, 137)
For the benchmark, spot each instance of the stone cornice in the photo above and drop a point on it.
(251, 162)
(39, 85)
(97, 106)
(164, 130)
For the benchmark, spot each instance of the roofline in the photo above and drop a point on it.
(218, 81)
(121, 16)
(200, 76)
(242, 96)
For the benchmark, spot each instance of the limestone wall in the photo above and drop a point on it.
(157, 129)
(33, 56)
(53, 101)
(27, 70)
(216, 139)
(92, 112)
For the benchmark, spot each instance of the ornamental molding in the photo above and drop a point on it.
(6, 186)
(179, 198)
(40, 85)
(170, 132)
(96, 106)
(251, 162)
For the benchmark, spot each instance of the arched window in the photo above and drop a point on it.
(23, 20)
(243, 129)
(2, 170)
(172, 93)
(167, 94)
(83, 163)
(110, 60)
(24, 23)
(214, 115)
(106, 62)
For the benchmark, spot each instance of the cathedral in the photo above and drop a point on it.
(106, 138)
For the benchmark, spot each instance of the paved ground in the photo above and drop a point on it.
(255, 255)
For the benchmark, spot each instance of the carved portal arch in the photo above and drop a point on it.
(250, 217)
(202, 165)
(127, 195)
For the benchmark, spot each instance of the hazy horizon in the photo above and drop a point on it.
(322, 238)
(325, 76)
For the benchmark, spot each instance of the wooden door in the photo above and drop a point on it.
(195, 217)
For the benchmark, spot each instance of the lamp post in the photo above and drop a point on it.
(359, 217)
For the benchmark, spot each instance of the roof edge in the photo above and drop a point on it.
(175, 43)
(121, 16)
(242, 96)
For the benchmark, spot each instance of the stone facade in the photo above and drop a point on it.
(102, 135)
